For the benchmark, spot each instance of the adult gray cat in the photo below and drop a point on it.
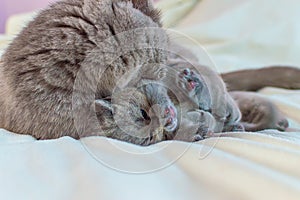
(66, 43)
(53, 76)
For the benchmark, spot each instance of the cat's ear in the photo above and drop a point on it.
(103, 106)
(146, 7)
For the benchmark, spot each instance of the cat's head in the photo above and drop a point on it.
(145, 113)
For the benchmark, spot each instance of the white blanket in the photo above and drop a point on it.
(237, 34)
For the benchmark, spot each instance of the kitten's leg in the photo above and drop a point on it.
(255, 79)
(259, 113)
(234, 127)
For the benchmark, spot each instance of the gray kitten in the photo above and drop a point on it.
(259, 113)
(204, 88)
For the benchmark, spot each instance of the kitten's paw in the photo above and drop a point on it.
(194, 127)
(282, 124)
(235, 127)
(205, 121)
(188, 80)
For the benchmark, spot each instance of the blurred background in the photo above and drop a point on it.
(10, 7)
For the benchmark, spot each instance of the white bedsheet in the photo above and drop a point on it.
(237, 34)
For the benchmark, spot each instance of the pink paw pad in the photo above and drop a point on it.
(189, 77)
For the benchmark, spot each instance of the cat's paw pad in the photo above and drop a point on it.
(189, 79)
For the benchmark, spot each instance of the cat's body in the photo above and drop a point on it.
(40, 67)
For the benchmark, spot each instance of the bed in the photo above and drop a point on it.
(237, 34)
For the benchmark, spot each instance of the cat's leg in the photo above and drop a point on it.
(259, 113)
(255, 79)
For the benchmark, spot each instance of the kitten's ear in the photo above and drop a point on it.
(146, 7)
(103, 106)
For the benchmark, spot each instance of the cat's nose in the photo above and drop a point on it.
(170, 111)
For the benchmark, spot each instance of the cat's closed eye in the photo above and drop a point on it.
(144, 114)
